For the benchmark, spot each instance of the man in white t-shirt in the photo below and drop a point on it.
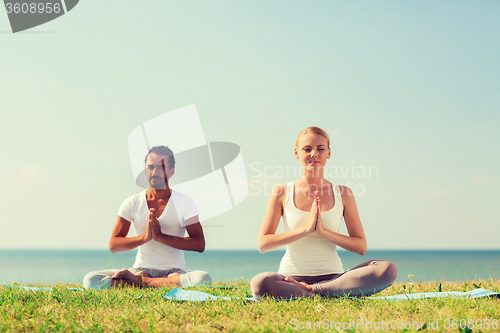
(160, 217)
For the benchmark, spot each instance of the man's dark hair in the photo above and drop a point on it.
(162, 150)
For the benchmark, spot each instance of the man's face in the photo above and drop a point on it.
(158, 171)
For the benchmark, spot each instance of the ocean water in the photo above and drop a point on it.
(53, 266)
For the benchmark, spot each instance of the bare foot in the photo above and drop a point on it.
(303, 285)
(134, 279)
(175, 279)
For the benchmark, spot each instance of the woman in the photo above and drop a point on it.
(312, 209)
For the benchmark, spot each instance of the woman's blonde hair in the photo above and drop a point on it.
(313, 130)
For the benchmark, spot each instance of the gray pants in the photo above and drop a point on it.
(102, 279)
(363, 280)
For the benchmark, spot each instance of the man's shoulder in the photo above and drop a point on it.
(134, 198)
(179, 195)
(130, 206)
(185, 206)
(182, 199)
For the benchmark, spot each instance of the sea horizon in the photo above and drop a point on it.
(70, 265)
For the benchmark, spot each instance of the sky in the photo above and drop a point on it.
(407, 90)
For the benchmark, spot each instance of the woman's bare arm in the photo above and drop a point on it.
(268, 239)
(356, 241)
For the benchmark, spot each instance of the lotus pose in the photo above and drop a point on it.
(160, 217)
(312, 210)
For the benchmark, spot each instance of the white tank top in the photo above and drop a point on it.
(312, 255)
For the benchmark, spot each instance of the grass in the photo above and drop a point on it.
(145, 310)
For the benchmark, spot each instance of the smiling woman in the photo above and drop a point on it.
(312, 210)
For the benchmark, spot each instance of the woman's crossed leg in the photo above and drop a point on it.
(365, 279)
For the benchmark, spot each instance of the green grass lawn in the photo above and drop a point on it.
(145, 310)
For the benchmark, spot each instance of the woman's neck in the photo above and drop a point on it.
(317, 182)
(313, 177)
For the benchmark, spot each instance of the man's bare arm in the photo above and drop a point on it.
(119, 241)
(195, 241)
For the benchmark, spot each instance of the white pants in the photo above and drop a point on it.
(102, 279)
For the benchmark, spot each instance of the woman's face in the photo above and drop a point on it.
(312, 151)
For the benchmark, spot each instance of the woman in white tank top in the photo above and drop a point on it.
(312, 210)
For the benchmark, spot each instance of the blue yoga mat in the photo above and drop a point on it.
(178, 294)
(480, 292)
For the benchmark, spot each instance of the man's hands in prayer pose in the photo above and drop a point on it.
(153, 225)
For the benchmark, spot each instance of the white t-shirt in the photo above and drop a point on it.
(172, 221)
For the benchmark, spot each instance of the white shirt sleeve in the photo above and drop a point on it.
(126, 209)
(189, 210)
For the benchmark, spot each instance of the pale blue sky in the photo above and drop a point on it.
(408, 87)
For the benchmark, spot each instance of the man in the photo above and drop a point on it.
(160, 216)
